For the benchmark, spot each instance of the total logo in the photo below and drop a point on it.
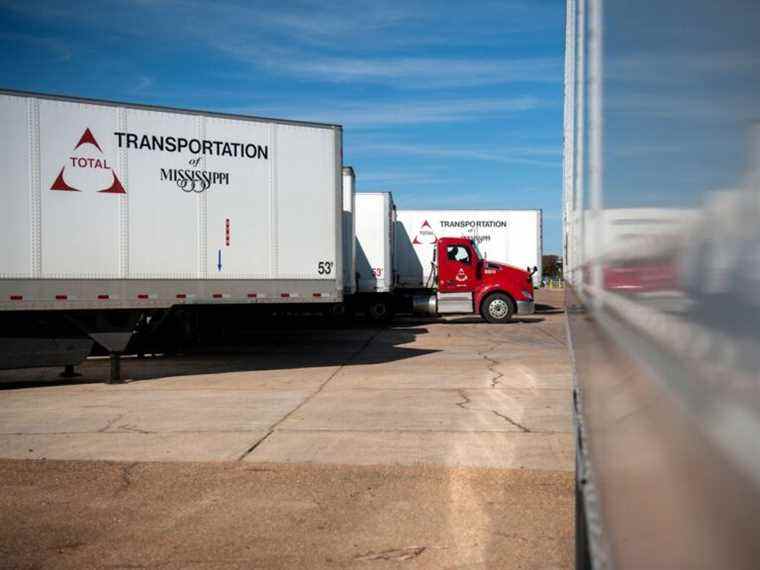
(461, 275)
(87, 167)
(425, 235)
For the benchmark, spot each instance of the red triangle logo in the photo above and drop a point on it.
(115, 187)
(416, 241)
(425, 224)
(60, 183)
(87, 137)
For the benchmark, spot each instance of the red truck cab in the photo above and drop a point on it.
(467, 283)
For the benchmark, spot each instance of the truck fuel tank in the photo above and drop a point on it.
(425, 304)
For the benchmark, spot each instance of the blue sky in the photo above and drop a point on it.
(447, 105)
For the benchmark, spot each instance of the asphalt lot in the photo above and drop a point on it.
(427, 443)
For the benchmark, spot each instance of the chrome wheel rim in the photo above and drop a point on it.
(498, 308)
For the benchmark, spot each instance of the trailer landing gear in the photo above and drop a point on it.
(115, 377)
(68, 372)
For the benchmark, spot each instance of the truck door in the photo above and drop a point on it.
(456, 268)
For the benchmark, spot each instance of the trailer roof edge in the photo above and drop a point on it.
(146, 107)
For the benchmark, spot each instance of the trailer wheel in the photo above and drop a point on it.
(497, 308)
(380, 310)
(340, 313)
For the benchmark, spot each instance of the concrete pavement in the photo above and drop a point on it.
(61, 514)
(433, 444)
(457, 393)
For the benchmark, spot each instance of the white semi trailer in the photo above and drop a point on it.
(375, 248)
(349, 231)
(113, 211)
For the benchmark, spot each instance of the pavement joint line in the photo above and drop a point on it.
(311, 396)
(340, 430)
(282, 430)
(427, 389)
(127, 431)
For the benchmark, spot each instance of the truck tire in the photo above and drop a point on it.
(380, 310)
(497, 308)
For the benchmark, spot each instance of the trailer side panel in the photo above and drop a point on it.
(107, 204)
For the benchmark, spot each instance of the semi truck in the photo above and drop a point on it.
(430, 274)
(121, 218)
(510, 236)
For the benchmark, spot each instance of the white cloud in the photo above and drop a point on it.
(531, 156)
(366, 114)
(417, 72)
(143, 82)
(394, 179)
(328, 41)
(56, 49)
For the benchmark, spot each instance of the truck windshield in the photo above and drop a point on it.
(477, 250)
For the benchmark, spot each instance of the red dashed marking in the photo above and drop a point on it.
(61, 297)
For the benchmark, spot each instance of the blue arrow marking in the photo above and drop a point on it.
(219, 261)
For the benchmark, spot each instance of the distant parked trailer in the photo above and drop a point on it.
(375, 237)
(349, 230)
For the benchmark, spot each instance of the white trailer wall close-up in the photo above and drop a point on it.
(120, 193)
(375, 227)
(508, 236)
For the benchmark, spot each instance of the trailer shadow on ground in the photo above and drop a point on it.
(548, 309)
(253, 350)
(281, 344)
